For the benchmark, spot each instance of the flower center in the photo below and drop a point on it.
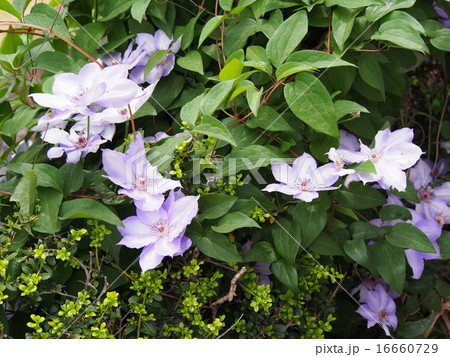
(304, 185)
(141, 183)
(375, 155)
(80, 143)
(426, 195)
(161, 228)
(440, 219)
(382, 315)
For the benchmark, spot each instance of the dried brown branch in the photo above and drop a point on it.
(232, 292)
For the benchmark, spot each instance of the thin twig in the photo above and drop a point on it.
(232, 292)
(231, 327)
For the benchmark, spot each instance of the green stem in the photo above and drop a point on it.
(140, 315)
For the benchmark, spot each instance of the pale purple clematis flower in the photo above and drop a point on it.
(90, 91)
(151, 44)
(369, 285)
(430, 228)
(160, 232)
(347, 153)
(393, 153)
(303, 180)
(128, 60)
(104, 122)
(55, 119)
(137, 177)
(433, 201)
(379, 309)
(74, 145)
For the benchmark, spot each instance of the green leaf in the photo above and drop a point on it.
(48, 221)
(88, 38)
(242, 4)
(370, 71)
(359, 196)
(441, 39)
(25, 193)
(351, 4)
(287, 37)
(366, 231)
(286, 273)
(219, 247)
(318, 59)
(190, 111)
(47, 175)
(312, 219)
(88, 208)
(138, 9)
(310, 101)
(392, 212)
(189, 31)
(251, 157)
(374, 13)
(405, 235)
(216, 95)
(287, 238)
(232, 70)
(72, 175)
(365, 166)
(254, 99)
(45, 16)
(402, 16)
(155, 59)
(410, 193)
(212, 206)
(226, 4)
(444, 244)
(356, 249)
(344, 107)
(401, 35)
(192, 62)
(236, 38)
(109, 9)
(342, 24)
(233, 221)
(268, 119)
(5, 5)
(210, 26)
(261, 252)
(326, 244)
(290, 68)
(390, 264)
(56, 62)
(21, 119)
(10, 43)
(416, 328)
(214, 128)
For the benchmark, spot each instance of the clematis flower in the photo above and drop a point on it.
(433, 201)
(72, 144)
(431, 229)
(128, 60)
(90, 91)
(160, 232)
(393, 153)
(137, 177)
(379, 309)
(346, 153)
(151, 44)
(104, 122)
(369, 285)
(303, 180)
